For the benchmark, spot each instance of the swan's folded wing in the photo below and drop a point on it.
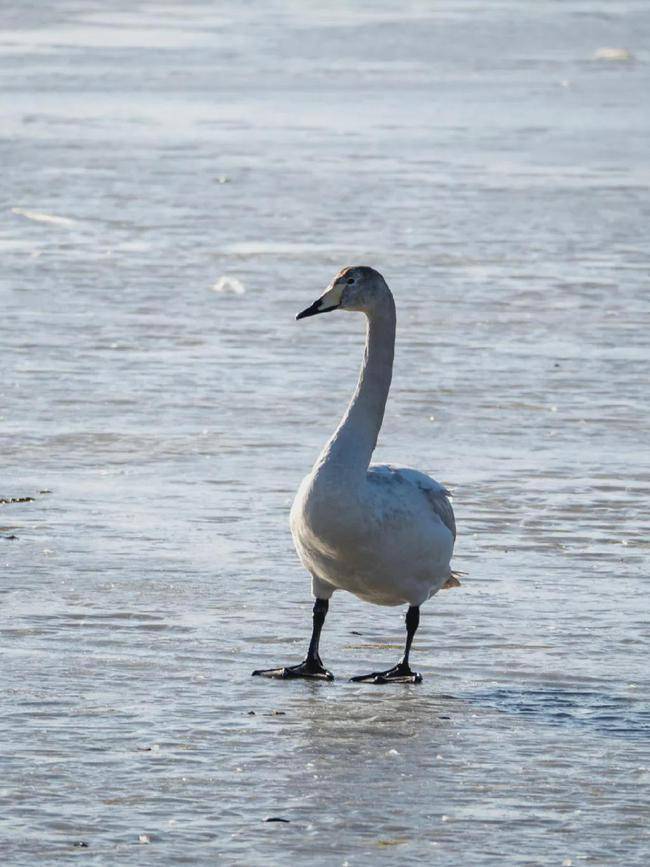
(437, 494)
(440, 504)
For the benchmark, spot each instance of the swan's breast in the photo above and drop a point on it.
(325, 516)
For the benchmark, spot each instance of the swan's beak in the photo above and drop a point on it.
(329, 300)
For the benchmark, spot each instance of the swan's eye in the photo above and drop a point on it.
(350, 280)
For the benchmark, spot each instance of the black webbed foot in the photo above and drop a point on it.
(400, 673)
(311, 669)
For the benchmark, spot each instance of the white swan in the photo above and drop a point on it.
(382, 532)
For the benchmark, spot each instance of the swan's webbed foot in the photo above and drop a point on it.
(400, 673)
(311, 669)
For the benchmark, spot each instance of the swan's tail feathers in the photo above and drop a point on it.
(452, 581)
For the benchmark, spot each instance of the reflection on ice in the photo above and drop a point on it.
(38, 217)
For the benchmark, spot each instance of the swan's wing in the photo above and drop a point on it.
(437, 494)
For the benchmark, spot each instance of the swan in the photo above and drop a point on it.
(385, 533)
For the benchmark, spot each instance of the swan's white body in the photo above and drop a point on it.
(384, 533)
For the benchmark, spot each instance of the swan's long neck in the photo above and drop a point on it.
(350, 448)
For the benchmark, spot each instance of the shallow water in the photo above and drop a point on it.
(497, 174)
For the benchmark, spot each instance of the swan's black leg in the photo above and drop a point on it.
(400, 673)
(312, 667)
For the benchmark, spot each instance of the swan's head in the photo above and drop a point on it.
(356, 287)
